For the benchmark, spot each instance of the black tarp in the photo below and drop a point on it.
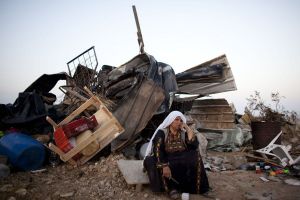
(29, 110)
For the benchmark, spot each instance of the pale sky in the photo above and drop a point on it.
(261, 39)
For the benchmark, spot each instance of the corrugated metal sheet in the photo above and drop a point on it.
(211, 82)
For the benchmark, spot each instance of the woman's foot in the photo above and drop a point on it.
(174, 194)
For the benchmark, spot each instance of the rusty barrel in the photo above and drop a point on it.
(263, 133)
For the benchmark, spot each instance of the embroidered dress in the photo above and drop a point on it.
(181, 155)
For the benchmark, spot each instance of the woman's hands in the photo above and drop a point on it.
(189, 131)
(166, 172)
(185, 126)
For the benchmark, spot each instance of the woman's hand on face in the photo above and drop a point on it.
(189, 131)
(185, 126)
(167, 172)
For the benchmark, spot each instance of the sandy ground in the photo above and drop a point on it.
(101, 179)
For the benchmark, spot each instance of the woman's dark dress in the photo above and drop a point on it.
(184, 160)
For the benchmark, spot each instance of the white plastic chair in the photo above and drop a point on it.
(279, 151)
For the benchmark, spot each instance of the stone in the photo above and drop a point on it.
(132, 170)
(6, 188)
(21, 192)
(292, 182)
(68, 194)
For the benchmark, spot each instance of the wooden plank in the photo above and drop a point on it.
(57, 150)
(97, 100)
(105, 128)
(210, 113)
(89, 91)
(76, 94)
(211, 110)
(92, 147)
(103, 115)
(76, 112)
(50, 121)
(103, 142)
(263, 159)
(211, 106)
(216, 121)
(219, 118)
(211, 102)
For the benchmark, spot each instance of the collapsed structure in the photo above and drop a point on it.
(137, 95)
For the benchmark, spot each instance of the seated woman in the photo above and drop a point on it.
(177, 160)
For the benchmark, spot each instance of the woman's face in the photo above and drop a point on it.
(177, 123)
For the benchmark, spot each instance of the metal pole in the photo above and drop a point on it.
(139, 33)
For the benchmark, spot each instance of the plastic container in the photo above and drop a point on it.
(78, 126)
(23, 152)
(64, 143)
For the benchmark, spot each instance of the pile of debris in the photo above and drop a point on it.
(117, 109)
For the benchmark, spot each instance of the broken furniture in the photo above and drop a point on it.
(89, 143)
(132, 171)
(279, 151)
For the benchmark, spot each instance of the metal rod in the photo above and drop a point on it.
(139, 33)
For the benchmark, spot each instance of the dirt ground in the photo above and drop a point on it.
(101, 179)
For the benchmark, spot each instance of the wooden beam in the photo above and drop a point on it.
(50, 121)
(263, 159)
(60, 153)
(76, 112)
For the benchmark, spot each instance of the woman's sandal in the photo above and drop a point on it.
(174, 194)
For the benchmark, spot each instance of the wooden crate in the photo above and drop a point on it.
(108, 129)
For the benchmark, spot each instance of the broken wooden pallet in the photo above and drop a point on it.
(91, 142)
